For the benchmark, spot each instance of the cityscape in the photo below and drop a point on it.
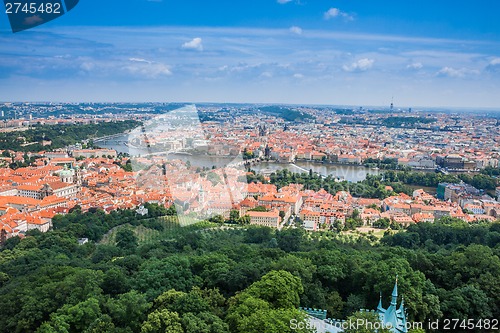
(272, 166)
(349, 146)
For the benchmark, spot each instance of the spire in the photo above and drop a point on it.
(395, 293)
(403, 316)
(380, 307)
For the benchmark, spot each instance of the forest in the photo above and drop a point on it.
(60, 135)
(407, 121)
(286, 113)
(201, 278)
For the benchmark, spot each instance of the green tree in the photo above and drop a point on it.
(234, 216)
(103, 324)
(126, 239)
(204, 322)
(280, 288)
(219, 219)
(76, 318)
(275, 320)
(115, 282)
(155, 276)
(244, 220)
(162, 321)
(129, 310)
(382, 223)
(257, 234)
(290, 240)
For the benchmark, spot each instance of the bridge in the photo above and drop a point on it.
(105, 138)
(244, 162)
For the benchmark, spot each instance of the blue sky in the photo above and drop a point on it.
(345, 52)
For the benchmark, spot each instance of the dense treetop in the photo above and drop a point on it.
(244, 279)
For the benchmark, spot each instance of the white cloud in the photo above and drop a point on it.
(494, 66)
(451, 72)
(296, 30)
(331, 13)
(87, 66)
(495, 61)
(148, 69)
(456, 73)
(335, 12)
(140, 60)
(415, 65)
(298, 76)
(243, 59)
(195, 44)
(359, 66)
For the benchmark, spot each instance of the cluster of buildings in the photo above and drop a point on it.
(31, 196)
(455, 143)
(470, 199)
(320, 210)
(462, 143)
(90, 178)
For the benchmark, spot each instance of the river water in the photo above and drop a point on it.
(345, 172)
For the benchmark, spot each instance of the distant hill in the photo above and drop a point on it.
(285, 113)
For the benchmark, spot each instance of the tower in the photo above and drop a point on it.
(201, 196)
(77, 179)
(393, 316)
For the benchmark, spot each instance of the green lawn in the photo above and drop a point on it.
(172, 228)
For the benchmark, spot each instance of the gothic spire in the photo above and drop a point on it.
(380, 306)
(395, 293)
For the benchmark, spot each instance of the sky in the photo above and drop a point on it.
(344, 52)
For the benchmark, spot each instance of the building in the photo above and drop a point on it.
(282, 200)
(456, 162)
(441, 189)
(458, 192)
(56, 154)
(87, 153)
(310, 225)
(476, 209)
(38, 192)
(266, 219)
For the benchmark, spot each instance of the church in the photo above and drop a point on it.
(393, 318)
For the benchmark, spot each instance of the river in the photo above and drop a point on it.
(346, 172)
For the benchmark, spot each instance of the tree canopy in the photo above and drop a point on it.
(242, 279)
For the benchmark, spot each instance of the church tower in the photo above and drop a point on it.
(201, 196)
(393, 316)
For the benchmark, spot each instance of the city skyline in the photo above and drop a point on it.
(327, 53)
